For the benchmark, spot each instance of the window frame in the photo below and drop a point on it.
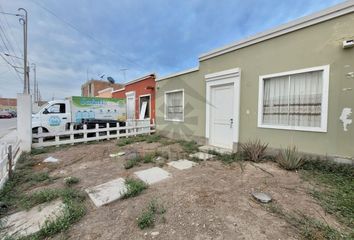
(324, 106)
(165, 103)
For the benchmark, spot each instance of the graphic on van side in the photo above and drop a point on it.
(54, 121)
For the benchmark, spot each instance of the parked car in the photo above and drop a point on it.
(13, 113)
(5, 114)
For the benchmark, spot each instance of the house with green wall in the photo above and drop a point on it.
(292, 85)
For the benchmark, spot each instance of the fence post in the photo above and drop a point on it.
(108, 133)
(72, 133)
(40, 138)
(85, 133)
(9, 158)
(97, 133)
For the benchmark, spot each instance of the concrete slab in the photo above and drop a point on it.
(182, 164)
(28, 222)
(208, 148)
(107, 192)
(202, 156)
(51, 160)
(117, 154)
(153, 175)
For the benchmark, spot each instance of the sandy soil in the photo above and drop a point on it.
(209, 201)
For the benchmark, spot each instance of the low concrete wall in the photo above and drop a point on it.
(24, 121)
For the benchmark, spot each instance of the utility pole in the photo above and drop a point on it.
(24, 21)
(35, 85)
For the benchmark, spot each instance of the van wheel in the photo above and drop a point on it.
(35, 130)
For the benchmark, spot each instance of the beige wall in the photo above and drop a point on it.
(317, 45)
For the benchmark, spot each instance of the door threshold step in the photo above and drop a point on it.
(208, 148)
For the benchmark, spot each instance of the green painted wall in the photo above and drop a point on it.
(317, 45)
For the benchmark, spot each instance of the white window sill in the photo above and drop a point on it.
(294, 128)
(174, 120)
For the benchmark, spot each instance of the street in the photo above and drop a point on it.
(6, 125)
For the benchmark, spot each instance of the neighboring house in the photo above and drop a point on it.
(291, 85)
(140, 97)
(91, 88)
(8, 104)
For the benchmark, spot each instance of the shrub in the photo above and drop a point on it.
(289, 158)
(134, 187)
(254, 151)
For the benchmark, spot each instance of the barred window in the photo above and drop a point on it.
(174, 108)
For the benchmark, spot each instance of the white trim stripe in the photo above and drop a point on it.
(178, 74)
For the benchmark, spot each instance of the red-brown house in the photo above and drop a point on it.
(140, 97)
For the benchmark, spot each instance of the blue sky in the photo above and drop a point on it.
(146, 36)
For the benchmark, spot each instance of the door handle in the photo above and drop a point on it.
(231, 122)
(64, 118)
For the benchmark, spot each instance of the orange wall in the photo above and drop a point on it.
(140, 88)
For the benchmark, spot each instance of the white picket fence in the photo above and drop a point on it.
(72, 136)
(9, 154)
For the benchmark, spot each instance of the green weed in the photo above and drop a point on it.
(134, 188)
(308, 228)
(132, 162)
(189, 146)
(148, 217)
(334, 188)
(69, 181)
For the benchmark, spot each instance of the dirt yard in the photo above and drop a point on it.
(209, 201)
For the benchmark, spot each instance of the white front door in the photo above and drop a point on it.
(221, 115)
(130, 105)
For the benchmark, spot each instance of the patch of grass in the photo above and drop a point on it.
(153, 138)
(69, 181)
(148, 217)
(23, 178)
(147, 158)
(334, 188)
(289, 158)
(309, 228)
(134, 187)
(124, 141)
(229, 158)
(132, 162)
(254, 151)
(74, 209)
(189, 146)
(12, 194)
(47, 195)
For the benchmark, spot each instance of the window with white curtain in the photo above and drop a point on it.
(174, 105)
(295, 100)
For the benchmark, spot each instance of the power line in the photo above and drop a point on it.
(87, 35)
(11, 33)
(14, 67)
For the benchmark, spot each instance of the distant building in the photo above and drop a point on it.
(105, 93)
(93, 87)
(8, 103)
